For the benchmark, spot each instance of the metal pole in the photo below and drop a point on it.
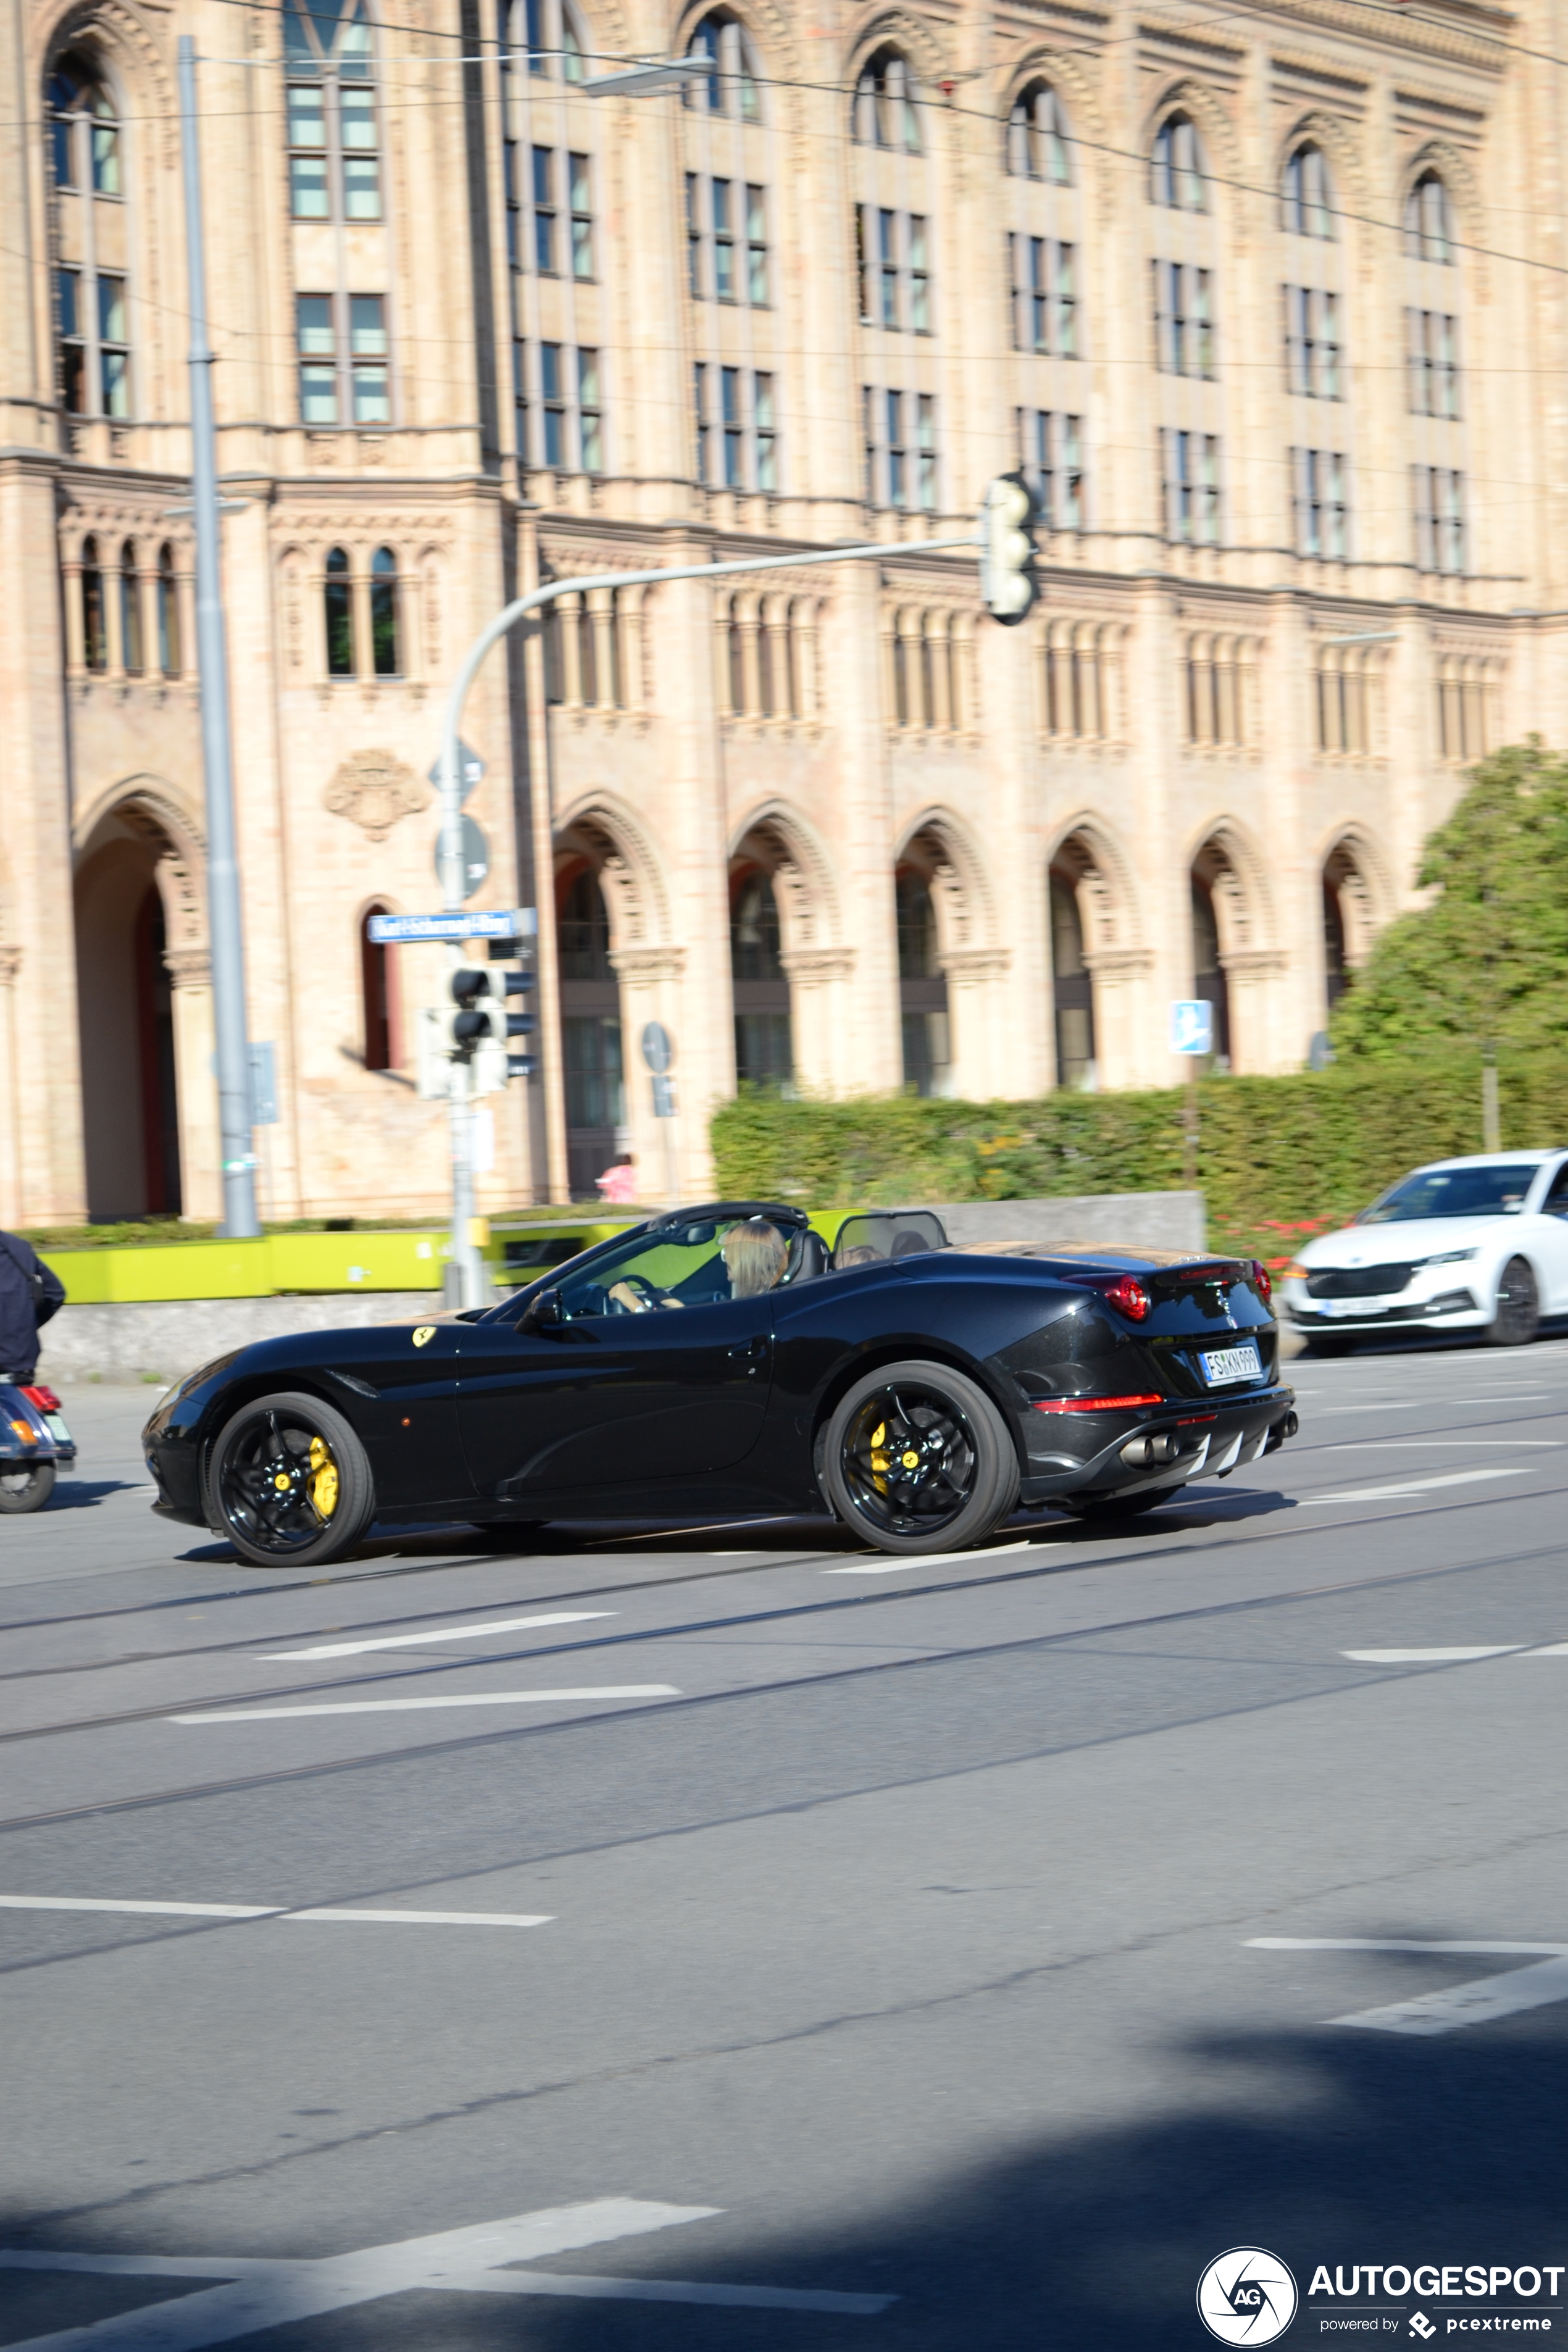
(240, 1218)
(465, 1254)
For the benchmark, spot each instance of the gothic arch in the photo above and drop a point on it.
(120, 36)
(792, 848)
(766, 26)
(1454, 168)
(1088, 848)
(1064, 72)
(603, 828)
(1183, 96)
(962, 892)
(153, 809)
(1317, 129)
(1350, 859)
(1224, 855)
(897, 28)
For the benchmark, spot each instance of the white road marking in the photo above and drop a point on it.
(466, 1698)
(887, 1567)
(267, 2294)
(1429, 1657)
(1475, 2004)
(444, 1633)
(1361, 1445)
(277, 1911)
(1413, 1486)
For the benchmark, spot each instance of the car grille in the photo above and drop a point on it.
(1358, 1281)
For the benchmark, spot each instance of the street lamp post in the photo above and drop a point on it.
(223, 916)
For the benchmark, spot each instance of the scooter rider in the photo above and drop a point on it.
(30, 1292)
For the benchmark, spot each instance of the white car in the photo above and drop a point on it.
(1477, 1244)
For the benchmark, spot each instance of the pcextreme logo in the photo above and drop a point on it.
(1246, 2295)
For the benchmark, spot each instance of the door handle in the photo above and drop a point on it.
(752, 1351)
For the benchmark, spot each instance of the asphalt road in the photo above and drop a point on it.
(828, 1952)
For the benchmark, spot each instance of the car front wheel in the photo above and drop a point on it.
(290, 1483)
(917, 1459)
(1518, 1315)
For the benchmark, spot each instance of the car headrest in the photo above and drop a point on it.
(808, 1257)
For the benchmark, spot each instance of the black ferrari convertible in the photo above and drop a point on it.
(722, 1362)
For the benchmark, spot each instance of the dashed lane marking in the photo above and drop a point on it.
(1415, 1485)
(277, 1911)
(885, 1567)
(440, 1633)
(1430, 1657)
(404, 1706)
(267, 2294)
(1476, 2003)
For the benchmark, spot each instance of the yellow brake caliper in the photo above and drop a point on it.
(323, 1478)
(879, 1457)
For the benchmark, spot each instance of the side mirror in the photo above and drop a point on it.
(546, 1310)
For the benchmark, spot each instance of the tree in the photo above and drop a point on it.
(1486, 963)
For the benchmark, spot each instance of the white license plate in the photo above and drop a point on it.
(1231, 1364)
(57, 1429)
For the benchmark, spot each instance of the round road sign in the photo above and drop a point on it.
(475, 857)
(657, 1051)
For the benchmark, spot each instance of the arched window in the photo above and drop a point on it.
(1336, 970)
(885, 113)
(334, 143)
(338, 600)
(1309, 192)
(1210, 985)
(1073, 984)
(384, 613)
(130, 612)
(168, 613)
(94, 620)
(1038, 136)
(922, 986)
(383, 1043)
(91, 312)
(1176, 177)
(730, 86)
(1429, 220)
(760, 983)
(590, 1028)
(549, 29)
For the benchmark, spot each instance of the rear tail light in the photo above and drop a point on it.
(1263, 1280)
(1091, 1404)
(44, 1399)
(1129, 1297)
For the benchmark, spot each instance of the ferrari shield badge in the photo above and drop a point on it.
(422, 1332)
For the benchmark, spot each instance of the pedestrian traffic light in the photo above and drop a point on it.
(1008, 548)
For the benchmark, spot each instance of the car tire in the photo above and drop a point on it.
(1517, 1317)
(26, 1485)
(1331, 1343)
(1123, 1507)
(962, 1482)
(288, 1483)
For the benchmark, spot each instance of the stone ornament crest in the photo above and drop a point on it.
(374, 789)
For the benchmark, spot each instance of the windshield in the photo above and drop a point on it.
(1497, 1189)
(694, 1263)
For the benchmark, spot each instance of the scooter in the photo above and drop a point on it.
(34, 1442)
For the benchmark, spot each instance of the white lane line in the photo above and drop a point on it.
(1413, 1486)
(926, 1560)
(401, 1705)
(1473, 2003)
(442, 1633)
(269, 2294)
(1429, 1657)
(1362, 1444)
(277, 1911)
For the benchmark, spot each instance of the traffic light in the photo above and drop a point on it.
(1009, 549)
(480, 1028)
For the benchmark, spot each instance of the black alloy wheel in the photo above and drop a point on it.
(290, 1483)
(26, 1485)
(916, 1458)
(1518, 1316)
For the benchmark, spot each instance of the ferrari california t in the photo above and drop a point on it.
(723, 1361)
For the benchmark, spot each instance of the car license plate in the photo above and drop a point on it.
(57, 1429)
(1231, 1364)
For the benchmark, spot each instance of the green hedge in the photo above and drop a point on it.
(1278, 1158)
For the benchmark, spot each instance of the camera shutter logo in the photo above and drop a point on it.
(1246, 2295)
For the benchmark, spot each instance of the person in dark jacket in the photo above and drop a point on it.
(29, 1293)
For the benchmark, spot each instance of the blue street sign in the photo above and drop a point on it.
(508, 923)
(1192, 1026)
